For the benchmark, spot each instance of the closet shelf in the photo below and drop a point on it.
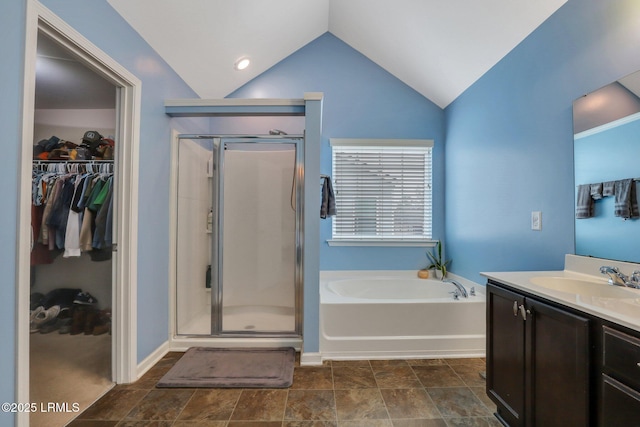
(36, 161)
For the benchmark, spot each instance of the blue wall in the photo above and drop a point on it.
(12, 21)
(599, 159)
(510, 139)
(159, 82)
(509, 147)
(361, 100)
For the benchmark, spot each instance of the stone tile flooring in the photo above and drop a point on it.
(368, 393)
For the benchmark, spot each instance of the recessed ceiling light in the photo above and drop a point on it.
(242, 63)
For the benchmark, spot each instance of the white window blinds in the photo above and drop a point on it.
(382, 190)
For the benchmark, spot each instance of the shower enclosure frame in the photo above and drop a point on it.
(310, 107)
(217, 254)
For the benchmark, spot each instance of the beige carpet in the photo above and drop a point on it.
(70, 370)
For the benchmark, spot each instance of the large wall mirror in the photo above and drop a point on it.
(607, 159)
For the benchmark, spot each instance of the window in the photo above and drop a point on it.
(383, 191)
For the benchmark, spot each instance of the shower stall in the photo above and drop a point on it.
(239, 236)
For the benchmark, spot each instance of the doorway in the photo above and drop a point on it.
(240, 276)
(120, 273)
(71, 281)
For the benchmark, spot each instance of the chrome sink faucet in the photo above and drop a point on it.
(458, 285)
(617, 278)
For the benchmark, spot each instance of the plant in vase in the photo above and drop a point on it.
(437, 263)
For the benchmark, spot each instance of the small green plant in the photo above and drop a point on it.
(437, 262)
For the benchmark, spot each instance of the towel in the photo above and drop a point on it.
(328, 206)
(608, 188)
(596, 191)
(584, 202)
(626, 204)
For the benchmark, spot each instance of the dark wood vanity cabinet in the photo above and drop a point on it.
(538, 364)
(620, 392)
(506, 354)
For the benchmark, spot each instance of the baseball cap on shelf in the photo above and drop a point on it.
(49, 144)
(92, 140)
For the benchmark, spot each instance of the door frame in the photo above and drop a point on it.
(311, 108)
(217, 293)
(128, 101)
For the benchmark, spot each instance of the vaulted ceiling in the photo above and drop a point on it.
(437, 47)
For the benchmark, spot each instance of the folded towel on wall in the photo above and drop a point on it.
(584, 202)
(596, 191)
(626, 203)
(328, 205)
(608, 188)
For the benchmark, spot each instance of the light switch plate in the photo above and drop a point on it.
(536, 220)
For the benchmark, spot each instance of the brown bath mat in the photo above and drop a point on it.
(232, 368)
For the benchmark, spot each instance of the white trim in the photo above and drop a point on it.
(607, 126)
(124, 341)
(183, 343)
(23, 249)
(313, 96)
(411, 354)
(310, 359)
(379, 242)
(233, 102)
(150, 361)
(372, 142)
(173, 234)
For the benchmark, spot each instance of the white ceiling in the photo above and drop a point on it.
(437, 47)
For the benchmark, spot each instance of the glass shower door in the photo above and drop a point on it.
(257, 242)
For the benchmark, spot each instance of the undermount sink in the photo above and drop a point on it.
(582, 287)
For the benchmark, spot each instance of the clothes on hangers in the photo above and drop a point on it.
(67, 200)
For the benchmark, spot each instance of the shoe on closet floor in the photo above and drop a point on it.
(41, 316)
(78, 321)
(85, 298)
(65, 329)
(90, 322)
(46, 315)
(35, 300)
(102, 329)
(34, 325)
(54, 325)
(103, 324)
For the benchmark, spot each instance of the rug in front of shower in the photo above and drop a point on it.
(232, 368)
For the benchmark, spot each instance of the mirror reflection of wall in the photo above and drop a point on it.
(607, 148)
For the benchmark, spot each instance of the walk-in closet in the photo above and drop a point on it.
(71, 302)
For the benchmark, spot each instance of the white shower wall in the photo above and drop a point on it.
(193, 299)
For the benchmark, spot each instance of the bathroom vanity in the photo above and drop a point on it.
(563, 347)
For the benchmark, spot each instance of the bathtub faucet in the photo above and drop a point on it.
(458, 285)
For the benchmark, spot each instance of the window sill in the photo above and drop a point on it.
(387, 243)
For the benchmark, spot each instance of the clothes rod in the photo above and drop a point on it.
(71, 161)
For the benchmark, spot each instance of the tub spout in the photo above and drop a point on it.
(458, 285)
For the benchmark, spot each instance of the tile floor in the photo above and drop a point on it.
(369, 393)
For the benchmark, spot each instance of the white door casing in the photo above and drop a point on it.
(124, 277)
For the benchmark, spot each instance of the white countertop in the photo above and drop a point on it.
(623, 310)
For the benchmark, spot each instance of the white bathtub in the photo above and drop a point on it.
(381, 315)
